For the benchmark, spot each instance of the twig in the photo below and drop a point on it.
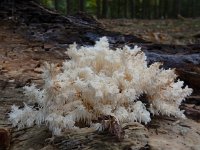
(41, 7)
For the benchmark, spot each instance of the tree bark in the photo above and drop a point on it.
(69, 6)
(81, 5)
(125, 8)
(104, 8)
(56, 3)
(132, 8)
(98, 10)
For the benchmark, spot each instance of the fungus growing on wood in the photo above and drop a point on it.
(98, 82)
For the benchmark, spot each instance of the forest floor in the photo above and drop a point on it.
(179, 31)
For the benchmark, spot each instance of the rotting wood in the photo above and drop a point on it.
(5, 138)
(37, 29)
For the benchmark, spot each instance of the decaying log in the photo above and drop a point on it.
(89, 139)
(40, 35)
(191, 111)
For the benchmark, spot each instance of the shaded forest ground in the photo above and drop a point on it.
(169, 31)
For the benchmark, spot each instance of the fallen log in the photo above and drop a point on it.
(47, 34)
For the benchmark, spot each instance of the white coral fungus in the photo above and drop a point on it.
(98, 81)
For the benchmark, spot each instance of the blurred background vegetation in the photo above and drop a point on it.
(140, 9)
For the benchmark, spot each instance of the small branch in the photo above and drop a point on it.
(44, 9)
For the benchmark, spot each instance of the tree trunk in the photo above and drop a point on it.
(56, 3)
(98, 10)
(125, 8)
(69, 6)
(118, 8)
(104, 8)
(81, 5)
(132, 8)
(177, 8)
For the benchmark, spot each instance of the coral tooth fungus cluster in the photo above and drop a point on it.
(98, 81)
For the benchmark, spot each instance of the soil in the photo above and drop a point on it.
(164, 31)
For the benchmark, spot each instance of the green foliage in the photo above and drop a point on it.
(90, 6)
(62, 6)
(145, 9)
(48, 3)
